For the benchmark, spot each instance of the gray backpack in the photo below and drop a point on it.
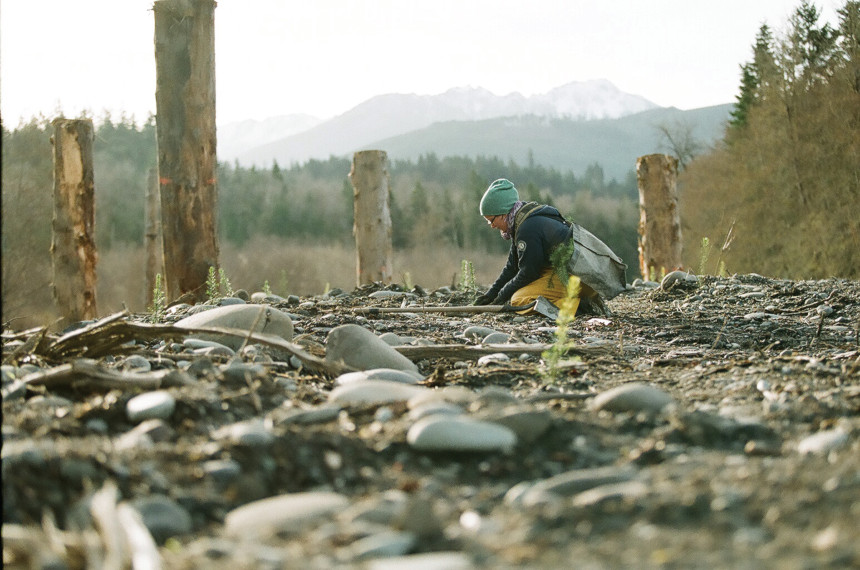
(595, 264)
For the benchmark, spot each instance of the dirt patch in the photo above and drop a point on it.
(755, 462)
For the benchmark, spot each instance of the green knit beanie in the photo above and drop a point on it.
(499, 198)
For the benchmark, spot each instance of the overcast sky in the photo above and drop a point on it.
(323, 57)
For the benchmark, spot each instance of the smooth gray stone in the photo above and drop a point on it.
(391, 339)
(374, 392)
(283, 513)
(633, 397)
(459, 433)
(441, 560)
(251, 433)
(392, 295)
(527, 424)
(476, 332)
(678, 278)
(568, 484)
(493, 358)
(151, 405)
(434, 407)
(136, 363)
(163, 516)
(496, 338)
(242, 317)
(226, 301)
(379, 374)
(319, 415)
(381, 509)
(359, 348)
(383, 545)
(195, 343)
(262, 298)
(822, 442)
(222, 470)
(610, 491)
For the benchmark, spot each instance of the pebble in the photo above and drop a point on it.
(496, 338)
(222, 471)
(476, 332)
(678, 279)
(379, 374)
(150, 405)
(442, 560)
(251, 433)
(163, 516)
(374, 392)
(384, 544)
(822, 442)
(359, 348)
(568, 484)
(195, 343)
(633, 397)
(242, 317)
(527, 424)
(283, 513)
(392, 295)
(488, 359)
(391, 339)
(626, 490)
(459, 433)
(136, 363)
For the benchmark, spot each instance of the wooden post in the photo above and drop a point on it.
(185, 127)
(659, 221)
(152, 233)
(372, 227)
(73, 249)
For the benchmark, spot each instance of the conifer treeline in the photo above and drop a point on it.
(434, 200)
(785, 183)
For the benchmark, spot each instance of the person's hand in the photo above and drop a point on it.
(484, 299)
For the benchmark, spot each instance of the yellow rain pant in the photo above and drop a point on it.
(549, 286)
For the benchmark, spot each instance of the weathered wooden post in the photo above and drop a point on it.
(659, 221)
(372, 226)
(185, 127)
(73, 249)
(152, 233)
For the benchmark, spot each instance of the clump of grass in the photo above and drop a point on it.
(554, 356)
(266, 288)
(218, 285)
(407, 281)
(159, 300)
(467, 277)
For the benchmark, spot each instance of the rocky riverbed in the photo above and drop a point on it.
(707, 423)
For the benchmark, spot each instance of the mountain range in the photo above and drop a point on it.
(568, 128)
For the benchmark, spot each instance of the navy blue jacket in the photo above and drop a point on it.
(531, 245)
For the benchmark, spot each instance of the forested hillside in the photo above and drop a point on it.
(784, 185)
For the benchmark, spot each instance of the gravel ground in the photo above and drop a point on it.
(710, 423)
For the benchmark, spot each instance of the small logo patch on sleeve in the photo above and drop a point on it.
(521, 246)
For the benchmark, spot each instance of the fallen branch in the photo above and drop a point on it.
(108, 336)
